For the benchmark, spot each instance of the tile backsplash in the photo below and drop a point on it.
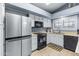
(41, 30)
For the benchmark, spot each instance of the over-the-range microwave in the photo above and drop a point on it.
(38, 24)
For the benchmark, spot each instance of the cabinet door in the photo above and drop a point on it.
(13, 47)
(45, 22)
(48, 38)
(70, 23)
(32, 23)
(1, 40)
(26, 46)
(57, 39)
(53, 39)
(37, 18)
(34, 43)
(55, 24)
(32, 17)
(60, 41)
(49, 23)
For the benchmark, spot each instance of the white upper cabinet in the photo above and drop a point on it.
(65, 23)
(41, 19)
(47, 22)
(70, 23)
(57, 24)
(35, 18)
(32, 17)
(38, 18)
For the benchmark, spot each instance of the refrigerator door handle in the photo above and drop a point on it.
(27, 36)
(13, 40)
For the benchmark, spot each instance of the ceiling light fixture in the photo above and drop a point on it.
(47, 3)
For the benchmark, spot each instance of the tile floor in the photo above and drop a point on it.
(47, 51)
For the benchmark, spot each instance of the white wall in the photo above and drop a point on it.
(2, 10)
(67, 12)
(32, 8)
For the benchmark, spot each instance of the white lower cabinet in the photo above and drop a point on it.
(34, 43)
(48, 38)
(56, 39)
(60, 40)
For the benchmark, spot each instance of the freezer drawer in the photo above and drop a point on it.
(13, 25)
(13, 47)
(26, 46)
(26, 26)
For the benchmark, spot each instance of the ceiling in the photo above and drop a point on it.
(49, 8)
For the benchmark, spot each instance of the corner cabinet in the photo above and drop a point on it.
(56, 39)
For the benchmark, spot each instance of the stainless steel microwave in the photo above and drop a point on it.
(38, 24)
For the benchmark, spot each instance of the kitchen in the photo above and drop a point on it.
(28, 29)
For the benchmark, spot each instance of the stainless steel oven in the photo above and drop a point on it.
(42, 40)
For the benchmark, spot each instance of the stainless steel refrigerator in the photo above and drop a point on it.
(18, 35)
